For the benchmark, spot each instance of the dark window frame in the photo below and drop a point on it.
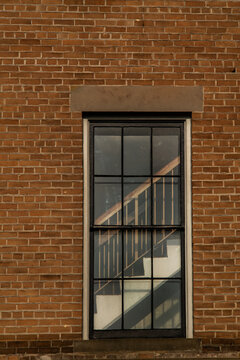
(138, 120)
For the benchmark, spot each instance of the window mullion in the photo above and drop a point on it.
(122, 232)
(151, 199)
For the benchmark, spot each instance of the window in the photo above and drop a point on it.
(137, 228)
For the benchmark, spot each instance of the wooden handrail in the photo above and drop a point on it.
(135, 193)
(115, 210)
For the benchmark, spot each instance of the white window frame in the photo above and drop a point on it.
(188, 229)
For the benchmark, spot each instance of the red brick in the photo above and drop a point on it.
(45, 50)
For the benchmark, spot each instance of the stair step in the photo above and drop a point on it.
(164, 266)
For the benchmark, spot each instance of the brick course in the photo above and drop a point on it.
(46, 48)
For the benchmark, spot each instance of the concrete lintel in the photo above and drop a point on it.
(137, 98)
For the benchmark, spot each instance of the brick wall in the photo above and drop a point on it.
(46, 48)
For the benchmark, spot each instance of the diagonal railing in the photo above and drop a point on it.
(146, 253)
(138, 191)
(107, 254)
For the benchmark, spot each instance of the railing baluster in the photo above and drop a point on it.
(164, 209)
(146, 205)
(155, 203)
(163, 246)
(136, 210)
(117, 250)
(125, 250)
(104, 260)
(154, 237)
(145, 240)
(113, 242)
(109, 253)
(118, 213)
(164, 204)
(126, 213)
(99, 252)
(108, 250)
(136, 231)
(136, 245)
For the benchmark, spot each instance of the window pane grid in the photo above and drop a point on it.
(121, 250)
(134, 211)
(131, 284)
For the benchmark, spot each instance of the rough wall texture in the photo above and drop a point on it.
(46, 48)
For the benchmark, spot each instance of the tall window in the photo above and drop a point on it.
(137, 229)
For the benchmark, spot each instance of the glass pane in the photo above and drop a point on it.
(137, 250)
(137, 304)
(107, 305)
(166, 254)
(107, 151)
(166, 201)
(137, 201)
(136, 151)
(167, 304)
(166, 149)
(107, 201)
(107, 254)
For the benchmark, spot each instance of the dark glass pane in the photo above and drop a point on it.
(107, 151)
(166, 150)
(166, 254)
(166, 201)
(137, 304)
(137, 252)
(136, 151)
(167, 304)
(107, 254)
(107, 201)
(137, 201)
(107, 305)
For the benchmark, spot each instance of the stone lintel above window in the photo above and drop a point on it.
(137, 98)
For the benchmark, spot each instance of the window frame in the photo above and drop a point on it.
(134, 120)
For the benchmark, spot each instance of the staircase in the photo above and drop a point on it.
(146, 255)
(138, 294)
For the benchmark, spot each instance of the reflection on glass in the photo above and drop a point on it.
(107, 201)
(167, 304)
(107, 254)
(137, 201)
(166, 254)
(166, 148)
(137, 248)
(107, 305)
(137, 304)
(107, 151)
(136, 145)
(166, 201)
